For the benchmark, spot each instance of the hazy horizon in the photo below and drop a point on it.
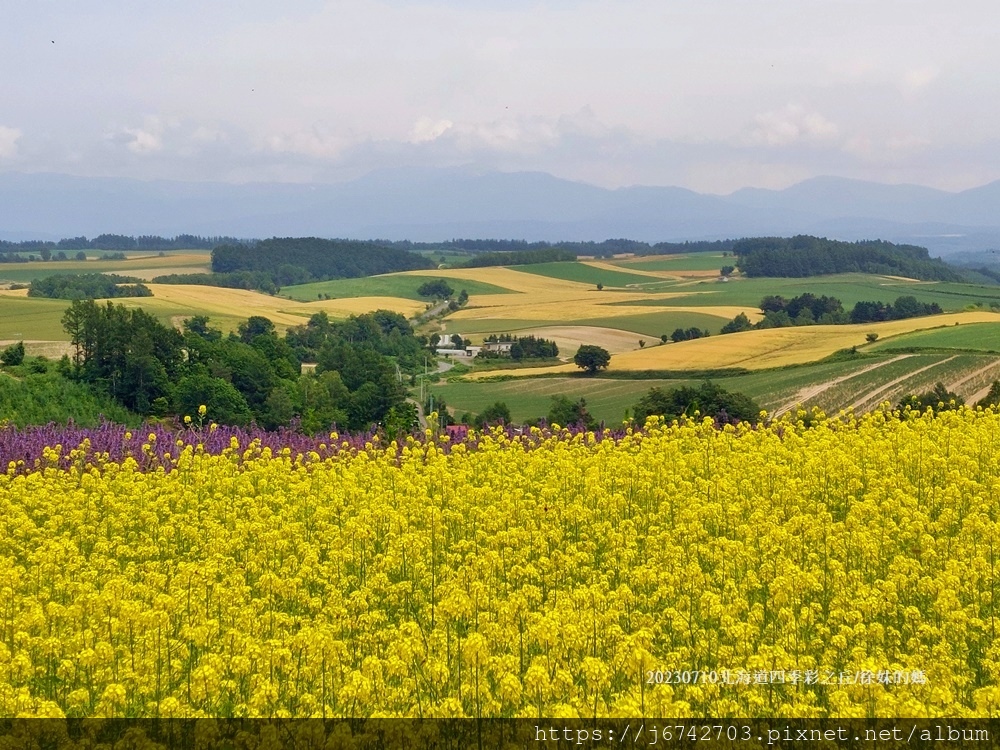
(709, 97)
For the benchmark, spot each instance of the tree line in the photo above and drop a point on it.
(804, 255)
(251, 375)
(808, 309)
(88, 286)
(120, 242)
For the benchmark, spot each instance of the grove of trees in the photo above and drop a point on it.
(707, 400)
(88, 286)
(804, 255)
(252, 375)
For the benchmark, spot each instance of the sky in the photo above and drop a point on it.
(711, 95)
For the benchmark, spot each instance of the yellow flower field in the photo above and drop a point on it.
(676, 571)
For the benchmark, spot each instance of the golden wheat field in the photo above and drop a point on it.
(226, 308)
(762, 349)
(843, 569)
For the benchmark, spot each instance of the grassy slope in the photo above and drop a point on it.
(848, 288)
(975, 336)
(585, 274)
(32, 318)
(692, 262)
(40, 399)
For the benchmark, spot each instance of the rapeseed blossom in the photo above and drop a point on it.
(552, 573)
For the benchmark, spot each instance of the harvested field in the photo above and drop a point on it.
(774, 347)
(569, 338)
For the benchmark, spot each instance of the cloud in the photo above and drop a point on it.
(426, 129)
(147, 139)
(8, 142)
(790, 125)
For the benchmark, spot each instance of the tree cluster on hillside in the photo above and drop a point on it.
(902, 308)
(808, 309)
(438, 288)
(707, 399)
(119, 242)
(805, 255)
(250, 375)
(687, 334)
(523, 257)
(88, 286)
(299, 260)
(496, 413)
(251, 280)
(603, 249)
(566, 412)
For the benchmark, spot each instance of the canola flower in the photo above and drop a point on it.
(548, 574)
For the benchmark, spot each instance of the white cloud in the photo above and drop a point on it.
(8, 142)
(426, 129)
(789, 125)
(147, 139)
(143, 142)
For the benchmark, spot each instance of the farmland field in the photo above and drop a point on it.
(387, 285)
(677, 263)
(848, 288)
(171, 303)
(768, 348)
(978, 336)
(831, 386)
(537, 575)
(586, 273)
(141, 265)
(23, 318)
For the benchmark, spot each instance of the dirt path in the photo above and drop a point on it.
(811, 391)
(965, 379)
(885, 387)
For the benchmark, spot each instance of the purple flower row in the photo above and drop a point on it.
(25, 446)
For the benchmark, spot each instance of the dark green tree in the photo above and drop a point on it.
(591, 358)
(439, 288)
(568, 413)
(707, 399)
(13, 354)
(495, 413)
(740, 323)
(224, 404)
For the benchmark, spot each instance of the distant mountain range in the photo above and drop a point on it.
(438, 204)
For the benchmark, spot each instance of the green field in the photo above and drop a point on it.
(974, 336)
(41, 319)
(848, 288)
(175, 261)
(692, 262)
(586, 274)
(609, 398)
(659, 323)
(388, 285)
